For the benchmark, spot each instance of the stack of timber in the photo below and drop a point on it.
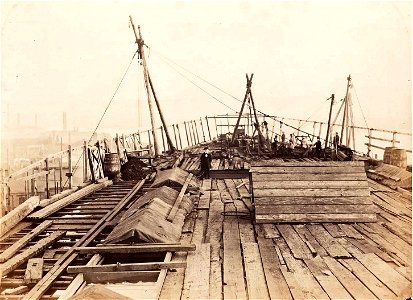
(391, 176)
(146, 220)
(311, 192)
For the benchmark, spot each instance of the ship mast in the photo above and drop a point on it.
(345, 114)
(150, 88)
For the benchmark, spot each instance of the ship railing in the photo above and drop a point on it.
(83, 163)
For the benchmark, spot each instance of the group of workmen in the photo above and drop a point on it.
(277, 149)
(285, 147)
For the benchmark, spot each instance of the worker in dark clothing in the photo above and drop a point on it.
(336, 141)
(318, 147)
(206, 159)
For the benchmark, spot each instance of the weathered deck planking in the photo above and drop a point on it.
(276, 283)
(234, 285)
(196, 282)
(352, 284)
(257, 288)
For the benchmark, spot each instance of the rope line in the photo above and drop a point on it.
(206, 92)
(101, 118)
(357, 97)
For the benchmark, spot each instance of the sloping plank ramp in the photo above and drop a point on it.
(311, 192)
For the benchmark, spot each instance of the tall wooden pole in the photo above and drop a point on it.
(139, 41)
(179, 135)
(329, 119)
(345, 109)
(165, 127)
(249, 82)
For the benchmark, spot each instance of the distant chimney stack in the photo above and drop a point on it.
(64, 121)
(35, 120)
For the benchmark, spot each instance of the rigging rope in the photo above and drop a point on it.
(365, 121)
(180, 73)
(316, 110)
(106, 109)
(199, 77)
(169, 62)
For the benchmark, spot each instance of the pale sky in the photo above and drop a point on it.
(70, 56)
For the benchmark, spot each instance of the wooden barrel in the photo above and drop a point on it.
(111, 165)
(399, 158)
(387, 154)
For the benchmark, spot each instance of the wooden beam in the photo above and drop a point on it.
(116, 277)
(178, 200)
(13, 249)
(149, 266)
(79, 281)
(15, 291)
(315, 218)
(28, 253)
(34, 270)
(16, 215)
(136, 249)
(56, 206)
(343, 192)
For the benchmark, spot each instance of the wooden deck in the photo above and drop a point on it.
(236, 258)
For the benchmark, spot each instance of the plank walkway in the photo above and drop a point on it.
(294, 261)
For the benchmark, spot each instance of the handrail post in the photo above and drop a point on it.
(369, 132)
(69, 174)
(209, 132)
(216, 126)
(163, 139)
(202, 127)
(393, 141)
(179, 135)
(46, 161)
(187, 138)
(196, 131)
(176, 139)
(85, 160)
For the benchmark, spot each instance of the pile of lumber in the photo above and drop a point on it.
(391, 176)
(311, 192)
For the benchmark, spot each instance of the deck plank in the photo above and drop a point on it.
(369, 280)
(196, 282)
(257, 288)
(352, 284)
(298, 248)
(391, 278)
(233, 274)
(277, 286)
(332, 246)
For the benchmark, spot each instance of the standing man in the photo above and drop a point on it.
(318, 147)
(336, 141)
(283, 137)
(206, 159)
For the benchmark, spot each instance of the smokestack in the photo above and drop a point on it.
(64, 121)
(35, 120)
(18, 120)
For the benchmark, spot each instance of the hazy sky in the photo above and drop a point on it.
(60, 56)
